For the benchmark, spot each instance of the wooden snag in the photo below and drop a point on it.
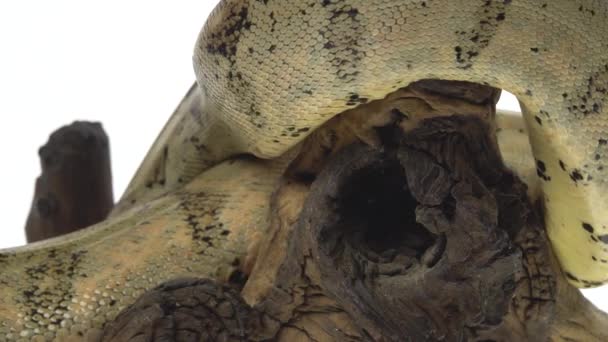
(75, 188)
(185, 310)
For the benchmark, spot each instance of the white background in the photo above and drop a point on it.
(124, 63)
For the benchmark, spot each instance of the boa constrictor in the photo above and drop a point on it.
(271, 71)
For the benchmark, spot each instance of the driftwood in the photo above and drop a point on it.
(75, 188)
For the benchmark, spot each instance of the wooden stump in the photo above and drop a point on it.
(75, 188)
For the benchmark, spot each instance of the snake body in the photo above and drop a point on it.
(269, 72)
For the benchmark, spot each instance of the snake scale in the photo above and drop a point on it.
(269, 72)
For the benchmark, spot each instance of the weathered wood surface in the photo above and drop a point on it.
(186, 310)
(412, 241)
(74, 189)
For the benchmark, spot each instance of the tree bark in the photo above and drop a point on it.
(75, 188)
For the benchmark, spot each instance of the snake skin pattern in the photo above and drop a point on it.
(269, 72)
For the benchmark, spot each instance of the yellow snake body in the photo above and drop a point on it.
(269, 72)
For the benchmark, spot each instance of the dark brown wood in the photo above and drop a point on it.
(185, 310)
(74, 189)
(409, 241)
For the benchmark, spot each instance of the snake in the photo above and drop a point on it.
(270, 72)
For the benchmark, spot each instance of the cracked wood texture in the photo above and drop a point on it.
(75, 188)
(392, 232)
(185, 310)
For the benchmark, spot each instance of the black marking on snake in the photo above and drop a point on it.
(197, 207)
(586, 283)
(274, 22)
(473, 40)
(586, 226)
(543, 115)
(356, 99)
(342, 38)
(601, 151)
(224, 38)
(293, 132)
(198, 146)
(160, 170)
(576, 175)
(589, 283)
(590, 100)
(603, 238)
(255, 116)
(572, 277)
(585, 10)
(541, 169)
(57, 272)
